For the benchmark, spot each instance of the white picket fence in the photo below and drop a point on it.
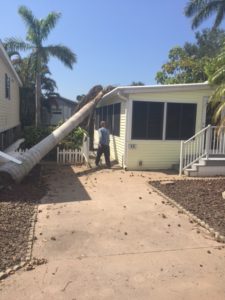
(74, 156)
(68, 156)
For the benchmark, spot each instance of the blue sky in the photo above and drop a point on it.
(116, 41)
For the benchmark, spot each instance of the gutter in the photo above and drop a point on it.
(157, 88)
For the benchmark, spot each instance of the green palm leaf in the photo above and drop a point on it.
(64, 54)
(200, 10)
(48, 24)
(15, 44)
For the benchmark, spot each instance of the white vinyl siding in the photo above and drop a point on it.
(161, 154)
(9, 108)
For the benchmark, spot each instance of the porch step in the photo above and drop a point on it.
(207, 167)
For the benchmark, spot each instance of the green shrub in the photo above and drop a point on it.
(74, 140)
(33, 135)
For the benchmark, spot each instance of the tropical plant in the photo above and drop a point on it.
(187, 64)
(37, 32)
(216, 73)
(201, 10)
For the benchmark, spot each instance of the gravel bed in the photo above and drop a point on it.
(203, 198)
(17, 207)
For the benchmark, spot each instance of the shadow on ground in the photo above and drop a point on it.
(63, 185)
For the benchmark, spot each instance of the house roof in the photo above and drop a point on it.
(9, 63)
(122, 91)
(68, 100)
(59, 98)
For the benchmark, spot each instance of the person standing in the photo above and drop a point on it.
(103, 146)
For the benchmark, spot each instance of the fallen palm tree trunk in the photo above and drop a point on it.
(33, 156)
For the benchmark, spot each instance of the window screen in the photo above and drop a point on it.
(110, 114)
(110, 118)
(97, 118)
(116, 119)
(155, 120)
(181, 120)
(104, 114)
(147, 120)
(139, 120)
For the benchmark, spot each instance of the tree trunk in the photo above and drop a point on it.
(32, 157)
(38, 100)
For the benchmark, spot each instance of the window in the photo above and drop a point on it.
(181, 119)
(7, 87)
(110, 118)
(116, 119)
(110, 114)
(147, 120)
(98, 117)
(104, 113)
(139, 120)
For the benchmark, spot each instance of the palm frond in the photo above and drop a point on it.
(219, 75)
(219, 17)
(200, 10)
(204, 13)
(217, 114)
(64, 54)
(193, 7)
(15, 44)
(218, 95)
(48, 24)
(31, 23)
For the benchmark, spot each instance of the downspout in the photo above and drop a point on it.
(122, 97)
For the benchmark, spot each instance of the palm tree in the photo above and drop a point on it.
(37, 32)
(216, 73)
(200, 10)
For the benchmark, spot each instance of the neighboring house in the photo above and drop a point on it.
(9, 101)
(147, 123)
(59, 110)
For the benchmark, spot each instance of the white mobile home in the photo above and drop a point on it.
(9, 101)
(147, 123)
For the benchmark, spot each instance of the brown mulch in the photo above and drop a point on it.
(17, 207)
(201, 197)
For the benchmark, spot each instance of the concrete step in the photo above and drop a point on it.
(191, 173)
(205, 171)
(213, 161)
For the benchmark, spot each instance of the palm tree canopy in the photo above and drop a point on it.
(37, 32)
(200, 10)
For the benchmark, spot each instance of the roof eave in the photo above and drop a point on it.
(156, 88)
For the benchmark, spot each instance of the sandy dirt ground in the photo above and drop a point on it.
(107, 235)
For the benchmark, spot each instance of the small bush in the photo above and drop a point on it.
(74, 140)
(33, 135)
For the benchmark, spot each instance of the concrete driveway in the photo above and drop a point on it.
(107, 235)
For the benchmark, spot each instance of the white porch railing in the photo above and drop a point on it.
(208, 141)
(74, 156)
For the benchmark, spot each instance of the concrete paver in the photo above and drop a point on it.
(115, 239)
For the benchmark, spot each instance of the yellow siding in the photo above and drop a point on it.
(117, 144)
(162, 154)
(153, 155)
(9, 108)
